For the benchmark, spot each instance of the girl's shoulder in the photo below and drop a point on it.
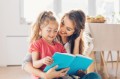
(58, 43)
(39, 41)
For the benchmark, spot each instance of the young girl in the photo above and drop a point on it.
(42, 44)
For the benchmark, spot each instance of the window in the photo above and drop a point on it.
(33, 7)
(75, 4)
(109, 8)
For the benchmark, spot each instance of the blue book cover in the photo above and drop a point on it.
(74, 62)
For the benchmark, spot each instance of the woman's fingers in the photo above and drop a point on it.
(63, 72)
(81, 33)
(55, 67)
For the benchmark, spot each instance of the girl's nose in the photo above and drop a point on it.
(52, 34)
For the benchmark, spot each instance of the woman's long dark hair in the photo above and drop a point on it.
(78, 19)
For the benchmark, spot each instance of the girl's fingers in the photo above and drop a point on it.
(49, 57)
(48, 62)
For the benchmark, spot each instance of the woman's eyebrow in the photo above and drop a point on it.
(69, 28)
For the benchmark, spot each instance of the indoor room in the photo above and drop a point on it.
(100, 29)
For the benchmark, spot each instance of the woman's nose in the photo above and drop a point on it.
(63, 30)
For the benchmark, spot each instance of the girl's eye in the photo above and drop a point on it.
(49, 30)
(55, 31)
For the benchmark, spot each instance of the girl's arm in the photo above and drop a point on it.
(37, 62)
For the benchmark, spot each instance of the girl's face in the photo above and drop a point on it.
(49, 32)
(67, 28)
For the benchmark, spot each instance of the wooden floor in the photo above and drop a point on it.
(18, 73)
(111, 71)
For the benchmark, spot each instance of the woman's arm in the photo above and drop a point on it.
(28, 66)
(30, 69)
(76, 47)
(77, 43)
(50, 74)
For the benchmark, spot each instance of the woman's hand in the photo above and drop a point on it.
(80, 36)
(77, 43)
(52, 73)
(47, 60)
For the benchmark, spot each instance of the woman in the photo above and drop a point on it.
(70, 35)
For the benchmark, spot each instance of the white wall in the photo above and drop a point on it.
(13, 35)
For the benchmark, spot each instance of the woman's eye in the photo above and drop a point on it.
(68, 29)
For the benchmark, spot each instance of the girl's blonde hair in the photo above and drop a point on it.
(43, 20)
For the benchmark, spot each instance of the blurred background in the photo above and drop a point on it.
(17, 15)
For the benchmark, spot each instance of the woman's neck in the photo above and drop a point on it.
(64, 39)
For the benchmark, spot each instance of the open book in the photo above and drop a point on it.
(65, 60)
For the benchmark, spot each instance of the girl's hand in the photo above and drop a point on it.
(80, 36)
(52, 73)
(47, 60)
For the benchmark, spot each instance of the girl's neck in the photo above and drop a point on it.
(49, 42)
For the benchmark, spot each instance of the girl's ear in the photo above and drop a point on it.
(40, 33)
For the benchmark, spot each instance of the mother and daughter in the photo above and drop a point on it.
(47, 38)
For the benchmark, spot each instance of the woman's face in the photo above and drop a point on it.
(67, 28)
